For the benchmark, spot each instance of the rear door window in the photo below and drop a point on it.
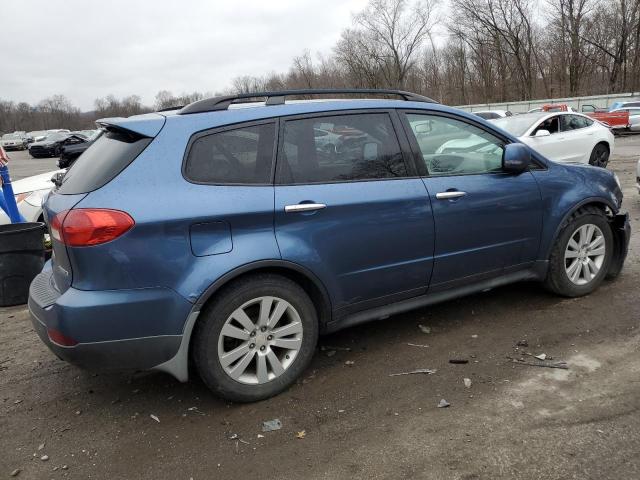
(574, 122)
(351, 147)
(242, 155)
(102, 161)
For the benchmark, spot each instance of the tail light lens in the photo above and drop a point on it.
(57, 337)
(85, 227)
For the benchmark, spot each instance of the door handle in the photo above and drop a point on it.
(450, 195)
(304, 207)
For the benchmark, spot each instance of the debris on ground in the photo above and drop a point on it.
(301, 434)
(417, 345)
(542, 356)
(330, 353)
(260, 436)
(458, 361)
(44, 458)
(41, 446)
(349, 363)
(155, 418)
(271, 425)
(443, 404)
(467, 382)
(15, 472)
(195, 410)
(520, 361)
(342, 349)
(424, 329)
(474, 336)
(522, 343)
(426, 371)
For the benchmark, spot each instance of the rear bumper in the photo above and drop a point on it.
(108, 326)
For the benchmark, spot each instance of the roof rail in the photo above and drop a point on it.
(169, 109)
(277, 98)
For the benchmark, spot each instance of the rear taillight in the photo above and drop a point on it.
(84, 227)
(58, 338)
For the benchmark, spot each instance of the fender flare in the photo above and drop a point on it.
(259, 265)
(602, 200)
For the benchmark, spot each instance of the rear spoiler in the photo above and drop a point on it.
(147, 125)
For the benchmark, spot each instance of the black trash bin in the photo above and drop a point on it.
(21, 259)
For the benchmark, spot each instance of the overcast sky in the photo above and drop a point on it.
(86, 49)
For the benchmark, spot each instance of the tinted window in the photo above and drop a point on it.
(454, 147)
(575, 122)
(102, 161)
(355, 147)
(240, 156)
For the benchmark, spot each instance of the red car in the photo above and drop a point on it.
(613, 120)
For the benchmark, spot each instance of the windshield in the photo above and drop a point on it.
(54, 137)
(516, 125)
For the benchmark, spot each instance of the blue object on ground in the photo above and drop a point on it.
(9, 205)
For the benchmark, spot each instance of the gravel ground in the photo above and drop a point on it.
(513, 421)
(21, 165)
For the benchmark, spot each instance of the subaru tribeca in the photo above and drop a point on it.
(228, 235)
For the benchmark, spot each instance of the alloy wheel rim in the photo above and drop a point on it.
(584, 255)
(260, 340)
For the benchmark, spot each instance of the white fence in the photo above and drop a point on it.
(600, 101)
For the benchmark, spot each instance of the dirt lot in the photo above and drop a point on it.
(514, 422)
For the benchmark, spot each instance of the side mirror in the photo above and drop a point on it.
(516, 158)
(542, 133)
(423, 127)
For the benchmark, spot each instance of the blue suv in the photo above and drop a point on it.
(227, 235)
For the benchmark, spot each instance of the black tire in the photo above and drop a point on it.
(213, 318)
(600, 155)
(557, 279)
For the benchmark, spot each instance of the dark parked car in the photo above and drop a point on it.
(73, 148)
(227, 239)
(52, 145)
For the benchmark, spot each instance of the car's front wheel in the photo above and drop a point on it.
(582, 254)
(256, 338)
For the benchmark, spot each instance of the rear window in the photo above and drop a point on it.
(242, 155)
(102, 161)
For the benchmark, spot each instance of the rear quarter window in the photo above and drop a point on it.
(241, 155)
(103, 161)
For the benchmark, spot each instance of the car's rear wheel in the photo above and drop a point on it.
(256, 338)
(599, 156)
(582, 254)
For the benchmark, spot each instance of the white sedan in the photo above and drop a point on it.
(562, 136)
(29, 193)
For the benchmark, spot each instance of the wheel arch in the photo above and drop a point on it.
(299, 274)
(179, 367)
(595, 202)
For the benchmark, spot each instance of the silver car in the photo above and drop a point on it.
(13, 141)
